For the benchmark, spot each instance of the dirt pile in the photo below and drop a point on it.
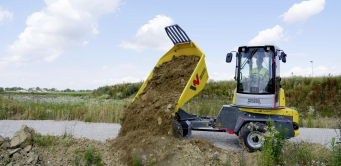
(152, 111)
(146, 126)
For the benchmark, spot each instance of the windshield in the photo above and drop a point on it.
(255, 71)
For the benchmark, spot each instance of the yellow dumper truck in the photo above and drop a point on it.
(258, 96)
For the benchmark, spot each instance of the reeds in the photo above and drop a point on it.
(43, 107)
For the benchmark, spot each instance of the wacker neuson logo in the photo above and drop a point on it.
(253, 101)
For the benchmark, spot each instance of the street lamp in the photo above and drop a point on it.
(312, 66)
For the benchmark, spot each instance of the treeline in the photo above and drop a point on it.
(10, 89)
(69, 90)
(119, 91)
(38, 89)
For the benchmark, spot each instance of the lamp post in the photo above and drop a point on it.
(312, 66)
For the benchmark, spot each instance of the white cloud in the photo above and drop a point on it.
(269, 36)
(85, 43)
(3, 64)
(104, 67)
(151, 36)
(318, 71)
(303, 10)
(59, 27)
(5, 14)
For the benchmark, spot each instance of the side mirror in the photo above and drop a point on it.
(283, 57)
(228, 57)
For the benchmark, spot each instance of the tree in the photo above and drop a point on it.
(38, 89)
(1, 89)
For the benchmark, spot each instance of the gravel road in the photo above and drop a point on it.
(104, 131)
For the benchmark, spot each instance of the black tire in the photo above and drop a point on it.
(177, 129)
(249, 136)
(184, 132)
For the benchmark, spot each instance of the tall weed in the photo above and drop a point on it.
(274, 140)
(336, 146)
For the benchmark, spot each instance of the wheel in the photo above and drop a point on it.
(177, 129)
(249, 136)
(184, 132)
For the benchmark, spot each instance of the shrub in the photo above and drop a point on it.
(274, 140)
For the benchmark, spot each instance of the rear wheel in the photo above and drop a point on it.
(249, 136)
(177, 129)
(184, 132)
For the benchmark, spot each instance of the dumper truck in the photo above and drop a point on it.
(257, 99)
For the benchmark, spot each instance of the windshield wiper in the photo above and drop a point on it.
(249, 57)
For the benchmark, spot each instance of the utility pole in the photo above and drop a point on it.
(312, 67)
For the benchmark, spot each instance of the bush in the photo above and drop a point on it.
(274, 141)
(118, 91)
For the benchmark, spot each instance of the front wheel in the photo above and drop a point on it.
(249, 136)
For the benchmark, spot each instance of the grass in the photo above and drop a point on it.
(336, 147)
(75, 161)
(92, 109)
(42, 140)
(136, 161)
(277, 150)
(139, 162)
(316, 99)
(7, 161)
(91, 159)
(52, 107)
(242, 161)
(90, 156)
(272, 149)
(67, 134)
(304, 93)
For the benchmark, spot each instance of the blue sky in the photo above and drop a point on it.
(84, 44)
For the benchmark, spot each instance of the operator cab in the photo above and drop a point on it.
(258, 76)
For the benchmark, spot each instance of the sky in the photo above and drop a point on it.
(85, 44)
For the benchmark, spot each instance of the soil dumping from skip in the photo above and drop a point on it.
(146, 131)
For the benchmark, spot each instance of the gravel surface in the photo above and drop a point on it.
(104, 131)
(96, 131)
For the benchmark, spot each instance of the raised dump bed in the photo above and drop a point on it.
(183, 46)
